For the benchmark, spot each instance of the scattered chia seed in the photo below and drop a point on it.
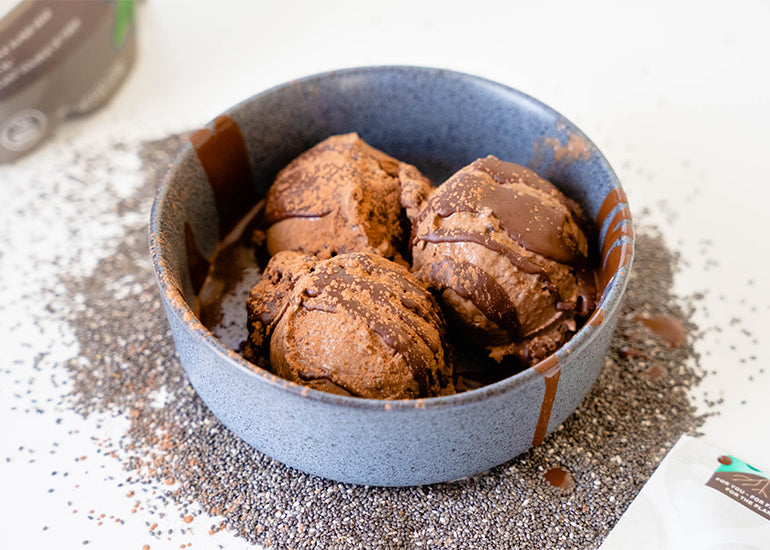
(176, 448)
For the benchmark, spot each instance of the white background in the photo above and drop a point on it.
(676, 95)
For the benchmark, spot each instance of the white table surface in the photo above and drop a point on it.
(676, 95)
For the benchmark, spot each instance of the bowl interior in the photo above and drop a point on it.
(435, 119)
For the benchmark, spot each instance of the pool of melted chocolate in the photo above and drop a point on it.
(236, 267)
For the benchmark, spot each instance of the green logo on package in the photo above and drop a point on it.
(123, 21)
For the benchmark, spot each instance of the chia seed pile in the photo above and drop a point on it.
(606, 450)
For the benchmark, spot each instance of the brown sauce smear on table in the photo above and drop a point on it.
(667, 328)
(655, 372)
(559, 478)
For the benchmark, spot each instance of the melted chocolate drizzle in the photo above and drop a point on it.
(586, 285)
(453, 235)
(550, 370)
(225, 158)
(197, 263)
(474, 284)
(301, 199)
(618, 243)
(427, 309)
(525, 217)
(306, 189)
(305, 193)
(531, 220)
(332, 288)
(508, 172)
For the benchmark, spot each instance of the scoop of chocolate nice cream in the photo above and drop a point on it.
(356, 324)
(506, 251)
(343, 196)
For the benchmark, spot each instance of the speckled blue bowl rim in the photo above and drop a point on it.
(609, 301)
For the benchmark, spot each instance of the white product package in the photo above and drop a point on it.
(699, 498)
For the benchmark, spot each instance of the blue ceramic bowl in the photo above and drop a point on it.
(440, 121)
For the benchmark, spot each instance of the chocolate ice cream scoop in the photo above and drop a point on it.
(506, 250)
(356, 324)
(343, 196)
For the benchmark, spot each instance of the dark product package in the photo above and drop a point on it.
(59, 59)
